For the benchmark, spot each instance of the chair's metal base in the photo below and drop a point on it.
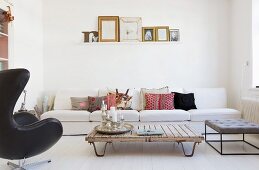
(221, 141)
(23, 166)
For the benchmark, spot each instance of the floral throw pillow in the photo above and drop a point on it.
(95, 103)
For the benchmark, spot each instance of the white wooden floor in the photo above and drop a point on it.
(73, 153)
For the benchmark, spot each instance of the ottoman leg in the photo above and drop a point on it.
(221, 144)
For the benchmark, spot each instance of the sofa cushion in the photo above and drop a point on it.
(174, 89)
(111, 101)
(209, 98)
(184, 101)
(143, 91)
(163, 115)
(95, 103)
(67, 115)
(213, 114)
(79, 103)
(128, 115)
(62, 99)
(152, 101)
(159, 101)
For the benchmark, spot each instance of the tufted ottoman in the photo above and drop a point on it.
(231, 126)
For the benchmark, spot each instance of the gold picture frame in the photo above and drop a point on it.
(108, 28)
(162, 33)
(148, 34)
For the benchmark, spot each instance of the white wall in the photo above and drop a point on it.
(240, 66)
(201, 59)
(255, 42)
(27, 43)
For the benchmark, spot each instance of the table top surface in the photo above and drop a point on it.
(171, 133)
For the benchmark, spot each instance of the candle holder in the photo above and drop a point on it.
(109, 127)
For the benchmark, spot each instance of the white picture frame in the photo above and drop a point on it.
(130, 29)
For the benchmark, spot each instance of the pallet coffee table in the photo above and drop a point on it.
(172, 133)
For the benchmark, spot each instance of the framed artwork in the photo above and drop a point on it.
(148, 34)
(174, 35)
(130, 29)
(108, 28)
(162, 33)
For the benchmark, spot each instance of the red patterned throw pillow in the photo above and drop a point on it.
(159, 101)
(152, 101)
(167, 101)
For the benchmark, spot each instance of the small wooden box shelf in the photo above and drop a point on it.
(3, 42)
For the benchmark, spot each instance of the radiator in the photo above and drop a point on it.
(250, 109)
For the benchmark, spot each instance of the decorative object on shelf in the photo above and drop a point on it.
(148, 33)
(23, 109)
(162, 33)
(174, 35)
(91, 36)
(130, 29)
(108, 28)
(7, 15)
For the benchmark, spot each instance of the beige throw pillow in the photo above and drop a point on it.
(143, 91)
(79, 103)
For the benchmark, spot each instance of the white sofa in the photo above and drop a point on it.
(211, 104)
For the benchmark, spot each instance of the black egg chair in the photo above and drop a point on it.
(22, 135)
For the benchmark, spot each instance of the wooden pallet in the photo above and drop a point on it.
(172, 133)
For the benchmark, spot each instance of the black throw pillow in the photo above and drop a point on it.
(184, 101)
